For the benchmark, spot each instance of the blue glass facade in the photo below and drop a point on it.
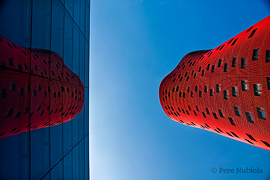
(56, 151)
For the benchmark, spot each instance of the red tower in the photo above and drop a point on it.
(37, 89)
(225, 90)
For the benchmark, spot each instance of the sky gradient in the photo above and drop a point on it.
(134, 45)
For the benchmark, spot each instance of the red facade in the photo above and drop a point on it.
(56, 93)
(225, 90)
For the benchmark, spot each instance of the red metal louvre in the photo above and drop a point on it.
(225, 90)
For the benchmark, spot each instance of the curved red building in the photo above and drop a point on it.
(225, 90)
(37, 89)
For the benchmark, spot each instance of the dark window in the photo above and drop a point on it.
(169, 94)
(266, 143)
(268, 82)
(219, 62)
(249, 29)
(213, 68)
(54, 95)
(173, 89)
(181, 78)
(229, 134)
(180, 93)
(234, 41)
(196, 88)
(183, 111)
(17, 115)
(177, 108)
(195, 113)
(249, 141)
(205, 89)
(244, 85)
(211, 92)
(225, 67)
(201, 67)
(234, 91)
(251, 137)
(236, 111)
(203, 114)
(249, 117)
(25, 66)
(219, 129)
(257, 89)
(202, 72)
(220, 113)
(188, 89)
(234, 134)
(49, 89)
(225, 94)
(192, 72)
(39, 88)
(2, 93)
(53, 73)
(208, 67)
(267, 56)
(44, 93)
(176, 89)
(10, 111)
(191, 94)
(189, 108)
(19, 67)
(255, 54)
(194, 75)
(200, 93)
(197, 108)
(231, 121)
(215, 115)
(184, 94)
(218, 88)
(34, 93)
(207, 111)
(10, 62)
(260, 113)
(187, 112)
(243, 62)
(21, 91)
(186, 74)
(252, 33)
(234, 62)
(187, 78)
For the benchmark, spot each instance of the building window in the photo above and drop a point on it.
(211, 92)
(219, 62)
(189, 108)
(213, 68)
(257, 89)
(236, 111)
(215, 115)
(268, 82)
(267, 56)
(218, 88)
(200, 69)
(260, 113)
(195, 113)
(220, 113)
(249, 117)
(181, 78)
(173, 89)
(13, 87)
(234, 134)
(203, 114)
(234, 62)
(207, 111)
(225, 67)
(244, 85)
(226, 94)
(205, 89)
(188, 89)
(197, 108)
(234, 91)
(177, 88)
(194, 75)
(266, 143)
(243, 62)
(252, 33)
(186, 74)
(184, 95)
(231, 121)
(255, 54)
(202, 72)
(251, 137)
(180, 93)
(208, 66)
(191, 94)
(234, 41)
(196, 88)
(200, 93)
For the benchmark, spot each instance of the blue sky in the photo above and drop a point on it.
(134, 45)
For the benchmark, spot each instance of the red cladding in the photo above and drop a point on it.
(225, 90)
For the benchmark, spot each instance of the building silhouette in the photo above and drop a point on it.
(44, 89)
(225, 90)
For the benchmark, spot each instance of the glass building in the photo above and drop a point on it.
(44, 89)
